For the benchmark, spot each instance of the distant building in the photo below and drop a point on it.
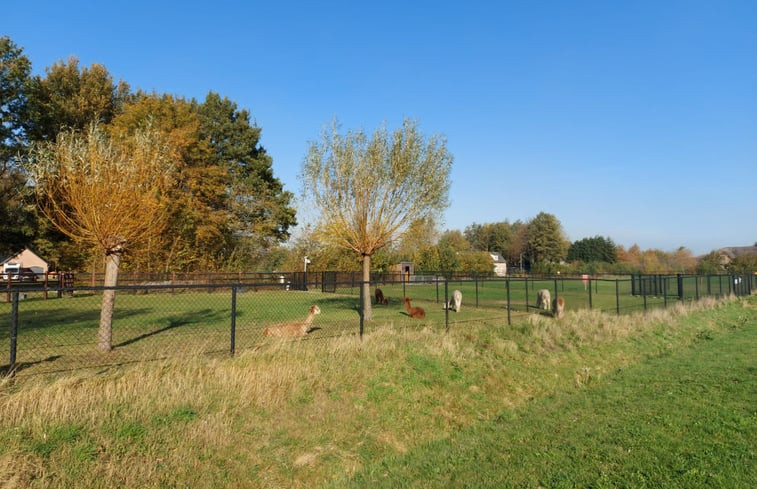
(405, 268)
(25, 258)
(500, 265)
(728, 254)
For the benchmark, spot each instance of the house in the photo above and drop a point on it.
(500, 265)
(728, 254)
(25, 258)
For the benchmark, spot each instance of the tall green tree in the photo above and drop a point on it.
(261, 210)
(596, 249)
(545, 240)
(70, 97)
(16, 220)
(370, 189)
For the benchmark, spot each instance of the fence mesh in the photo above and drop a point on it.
(48, 330)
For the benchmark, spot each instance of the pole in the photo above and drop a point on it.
(232, 349)
(14, 334)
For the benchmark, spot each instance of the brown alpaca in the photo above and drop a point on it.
(380, 299)
(558, 307)
(414, 312)
(293, 329)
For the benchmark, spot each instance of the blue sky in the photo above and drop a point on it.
(632, 120)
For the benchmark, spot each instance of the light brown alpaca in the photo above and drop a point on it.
(293, 329)
(558, 307)
(380, 299)
(414, 312)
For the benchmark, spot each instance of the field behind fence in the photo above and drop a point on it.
(45, 330)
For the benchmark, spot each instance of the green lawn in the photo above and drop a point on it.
(685, 419)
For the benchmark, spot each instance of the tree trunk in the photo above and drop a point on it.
(367, 313)
(105, 333)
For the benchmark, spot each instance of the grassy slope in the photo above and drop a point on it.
(684, 419)
(408, 406)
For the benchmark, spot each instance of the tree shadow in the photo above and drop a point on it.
(9, 370)
(195, 317)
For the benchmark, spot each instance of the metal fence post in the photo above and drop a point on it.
(617, 295)
(507, 287)
(362, 310)
(233, 320)
(446, 304)
(14, 334)
(590, 301)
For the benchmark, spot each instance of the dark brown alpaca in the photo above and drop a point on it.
(414, 312)
(380, 299)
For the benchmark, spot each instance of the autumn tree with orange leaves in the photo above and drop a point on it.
(104, 192)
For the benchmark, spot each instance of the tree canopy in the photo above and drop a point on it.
(370, 190)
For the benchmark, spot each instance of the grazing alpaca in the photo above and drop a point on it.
(293, 329)
(380, 299)
(457, 300)
(543, 300)
(558, 307)
(414, 312)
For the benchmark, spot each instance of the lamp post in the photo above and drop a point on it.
(305, 277)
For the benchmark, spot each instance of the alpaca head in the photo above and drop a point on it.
(315, 309)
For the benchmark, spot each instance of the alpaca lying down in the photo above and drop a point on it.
(414, 312)
(293, 329)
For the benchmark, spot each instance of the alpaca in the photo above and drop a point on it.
(414, 312)
(457, 300)
(380, 299)
(293, 329)
(543, 300)
(558, 307)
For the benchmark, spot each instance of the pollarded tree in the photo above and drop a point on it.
(369, 190)
(105, 193)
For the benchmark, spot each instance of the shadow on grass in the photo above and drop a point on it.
(195, 317)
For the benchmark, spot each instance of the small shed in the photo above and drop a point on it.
(500, 265)
(26, 258)
(404, 268)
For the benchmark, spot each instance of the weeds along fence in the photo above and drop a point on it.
(46, 329)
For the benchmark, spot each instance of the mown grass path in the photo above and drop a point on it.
(685, 419)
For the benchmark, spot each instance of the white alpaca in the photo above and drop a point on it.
(456, 302)
(543, 300)
(293, 329)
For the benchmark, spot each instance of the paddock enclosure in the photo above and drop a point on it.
(46, 329)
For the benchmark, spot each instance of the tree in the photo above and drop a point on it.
(69, 97)
(106, 193)
(15, 218)
(369, 190)
(260, 209)
(710, 264)
(596, 249)
(545, 241)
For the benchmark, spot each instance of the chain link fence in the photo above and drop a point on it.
(46, 329)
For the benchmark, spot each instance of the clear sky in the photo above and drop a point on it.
(635, 120)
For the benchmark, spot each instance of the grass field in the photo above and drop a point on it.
(664, 399)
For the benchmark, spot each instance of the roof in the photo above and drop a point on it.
(734, 251)
(497, 257)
